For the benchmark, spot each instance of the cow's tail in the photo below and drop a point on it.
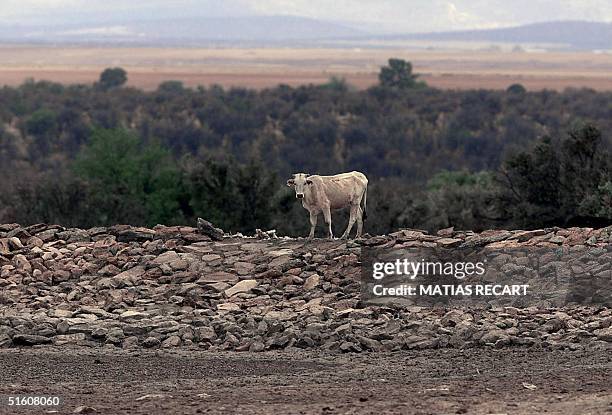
(365, 202)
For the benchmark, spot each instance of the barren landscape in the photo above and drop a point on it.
(268, 67)
(136, 320)
(476, 381)
(162, 163)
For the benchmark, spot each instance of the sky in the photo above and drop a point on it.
(376, 16)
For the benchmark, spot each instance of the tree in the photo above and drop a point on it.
(112, 78)
(130, 182)
(41, 123)
(52, 198)
(462, 199)
(337, 84)
(516, 89)
(234, 196)
(171, 87)
(398, 74)
(560, 182)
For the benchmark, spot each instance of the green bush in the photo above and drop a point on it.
(130, 182)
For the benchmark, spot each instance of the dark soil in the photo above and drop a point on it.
(481, 381)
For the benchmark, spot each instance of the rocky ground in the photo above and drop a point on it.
(135, 320)
(171, 287)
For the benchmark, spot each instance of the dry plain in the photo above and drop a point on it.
(474, 381)
(266, 67)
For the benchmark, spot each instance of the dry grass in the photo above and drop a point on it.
(259, 68)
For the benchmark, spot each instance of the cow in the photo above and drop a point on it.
(327, 193)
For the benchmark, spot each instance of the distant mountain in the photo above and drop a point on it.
(187, 30)
(288, 30)
(575, 34)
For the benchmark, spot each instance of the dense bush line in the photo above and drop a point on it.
(92, 155)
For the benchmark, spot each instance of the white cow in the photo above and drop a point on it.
(326, 193)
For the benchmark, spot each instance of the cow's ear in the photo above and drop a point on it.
(290, 182)
(308, 181)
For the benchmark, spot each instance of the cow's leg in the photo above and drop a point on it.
(359, 222)
(351, 222)
(327, 216)
(313, 224)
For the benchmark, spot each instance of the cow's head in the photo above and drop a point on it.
(299, 183)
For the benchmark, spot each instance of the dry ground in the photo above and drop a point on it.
(478, 381)
(264, 67)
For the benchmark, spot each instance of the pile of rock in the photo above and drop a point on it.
(176, 286)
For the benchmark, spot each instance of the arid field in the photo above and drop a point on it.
(264, 67)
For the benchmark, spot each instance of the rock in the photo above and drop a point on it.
(350, 347)
(279, 315)
(219, 276)
(446, 232)
(30, 340)
(115, 335)
(166, 257)
(47, 235)
(131, 342)
(553, 325)
(133, 315)
(312, 282)
(61, 275)
(153, 396)
(34, 242)
(241, 287)
(7, 227)
(369, 344)
(4, 246)
(280, 261)
(243, 268)
(211, 257)
(73, 235)
(449, 242)
(228, 307)
(527, 235)
(493, 336)
(109, 270)
(99, 333)
(218, 286)
(59, 313)
(22, 264)
(557, 239)
(129, 234)
(205, 334)
(207, 228)
(172, 341)
(130, 276)
(15, 243)
(179, 265)
(151, 342)
(257, 346)
(75, 338)
(18, 232)
(454, 317)
(84, 410)
(485, 238)
(604, 334)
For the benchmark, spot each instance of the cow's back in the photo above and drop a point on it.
(353, 176)
(341, 189)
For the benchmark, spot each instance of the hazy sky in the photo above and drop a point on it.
(374, 15)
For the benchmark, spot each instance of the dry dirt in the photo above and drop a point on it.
(479, 381)
(265, 67)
